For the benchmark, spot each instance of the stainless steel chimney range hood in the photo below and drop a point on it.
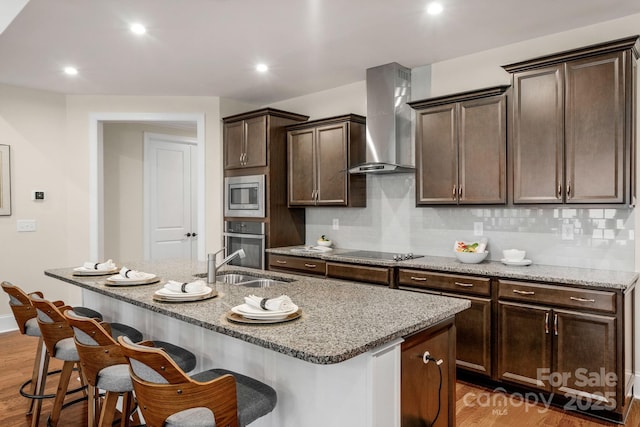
(389, 144)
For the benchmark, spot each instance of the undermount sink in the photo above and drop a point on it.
(246, 280)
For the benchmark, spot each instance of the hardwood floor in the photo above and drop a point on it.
(475, 407)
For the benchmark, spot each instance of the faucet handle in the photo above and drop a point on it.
(213, 255)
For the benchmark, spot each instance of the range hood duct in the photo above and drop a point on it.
(389, 144)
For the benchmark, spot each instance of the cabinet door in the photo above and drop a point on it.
(331, 158)
(436, 155)
(538, 135)
(255, 142)
(473, 336)
(585, 357)
(595, 129)
(482, 151)
(302, 171)
(233, 144)
(524, 344)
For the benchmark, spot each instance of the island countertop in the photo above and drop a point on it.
(340, 320)
(595, 278)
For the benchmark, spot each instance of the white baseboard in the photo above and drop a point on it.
(636, 387)
(8, 323)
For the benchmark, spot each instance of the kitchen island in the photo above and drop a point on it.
(339, 364)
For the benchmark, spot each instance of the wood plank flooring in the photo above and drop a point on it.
(475, 407)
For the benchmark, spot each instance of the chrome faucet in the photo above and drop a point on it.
(212, 268)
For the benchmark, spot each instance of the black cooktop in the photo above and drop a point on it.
(389, 256)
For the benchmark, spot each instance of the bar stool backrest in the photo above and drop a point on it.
(163, 389)
(20, 305)
(53, 325)
(96, 348)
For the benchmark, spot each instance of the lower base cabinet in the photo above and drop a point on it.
(427, 391)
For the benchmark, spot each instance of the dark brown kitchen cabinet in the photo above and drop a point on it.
(426, 389)
(473, 326)
(360, 273)
(572, 129)
(461, 146)
(246, 143)
(320, 153)
(297, 265)
(567, 341)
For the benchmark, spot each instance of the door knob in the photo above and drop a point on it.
(188, 234)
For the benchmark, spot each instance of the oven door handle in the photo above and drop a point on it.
(245, 236)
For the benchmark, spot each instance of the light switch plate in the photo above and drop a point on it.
(336, 224)
(23, 225)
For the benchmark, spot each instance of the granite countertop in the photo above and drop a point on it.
(540, 273)
(340, 320)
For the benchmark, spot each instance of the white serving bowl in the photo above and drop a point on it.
(326, 243)
(471, 257)
(513, 255)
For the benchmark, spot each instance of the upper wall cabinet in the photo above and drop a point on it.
(461, 144)
(320, 153)
(246, 137)
(572, 128)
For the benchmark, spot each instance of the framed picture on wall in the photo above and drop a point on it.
(5, 180)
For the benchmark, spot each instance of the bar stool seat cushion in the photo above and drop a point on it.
(66, 350)
(87, 312)
(255, 398)
(193, 417)
(183, 357)
(31, 327)
(115, 378)
(119, 329)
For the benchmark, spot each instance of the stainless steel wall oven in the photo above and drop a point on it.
(245, 235)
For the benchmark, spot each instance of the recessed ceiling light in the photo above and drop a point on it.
(71, 71)
(138, 28)
(262, 68)
(434, 8)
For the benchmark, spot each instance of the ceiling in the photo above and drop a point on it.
(211, 47)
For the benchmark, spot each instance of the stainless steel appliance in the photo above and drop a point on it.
(244, 196)
(248, 236)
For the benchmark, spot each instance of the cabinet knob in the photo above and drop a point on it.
(569, 190)
(559, 191)
(454, 192)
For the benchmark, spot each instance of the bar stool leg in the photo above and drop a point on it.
(91, 407)
(36, 373)
(65, 376)
(108, 409)
(41, 382)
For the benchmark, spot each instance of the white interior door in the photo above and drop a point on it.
(170, 208)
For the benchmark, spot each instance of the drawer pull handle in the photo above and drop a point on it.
(555, 324)
(518, 291)
(582, 299)
(419, 279)
(464, 285)
(546, 322)
(310, 265)
(279, 261)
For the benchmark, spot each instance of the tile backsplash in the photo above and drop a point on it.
(600, 238)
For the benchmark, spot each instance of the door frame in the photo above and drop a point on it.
(148, 137)
(96, 172)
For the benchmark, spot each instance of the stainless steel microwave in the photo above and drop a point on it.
(244, 196)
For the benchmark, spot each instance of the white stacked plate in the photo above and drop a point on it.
(81, 271)
(169, 296)
(140, 279)
(249, 312)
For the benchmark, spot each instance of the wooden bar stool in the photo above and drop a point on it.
(169, 398)
(58, 339)
(25, 316)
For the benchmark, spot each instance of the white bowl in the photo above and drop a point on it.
(326, 243)
(513, 255)
(471, 257)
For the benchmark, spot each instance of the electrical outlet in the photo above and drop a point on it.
(336, 224)
(37, 195)
(23, 225)
(477, 229)
(567, 231)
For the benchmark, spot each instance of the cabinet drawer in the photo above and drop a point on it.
(305, 265)
(444, 282)
(557, 295)
(359, 273)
